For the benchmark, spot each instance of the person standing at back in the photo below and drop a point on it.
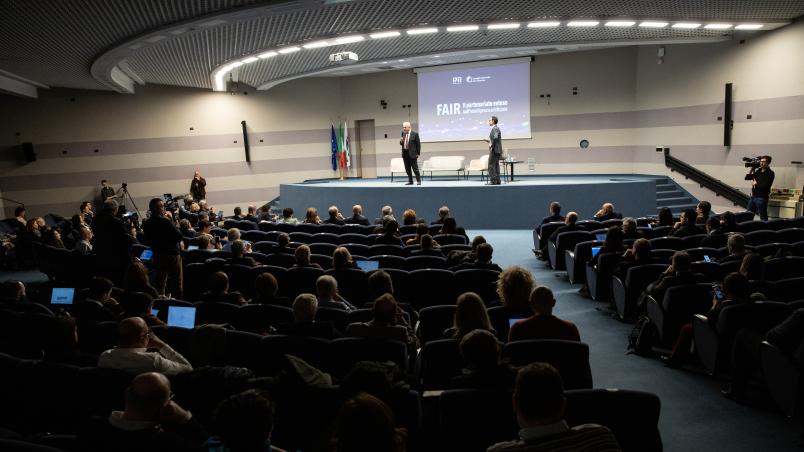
(165, 239)
(761, 182)
(411, 148)
(495, 151)
(198, 187)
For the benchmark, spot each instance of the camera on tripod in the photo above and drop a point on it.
(752, 162)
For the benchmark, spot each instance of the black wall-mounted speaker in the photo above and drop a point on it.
(28, 152)
(728, 124)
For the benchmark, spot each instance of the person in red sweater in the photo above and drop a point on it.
(543, 324)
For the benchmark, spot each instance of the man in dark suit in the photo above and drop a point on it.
(570, 226)
(677, 274)
(495, 152)
(357, 216)
(198, 187)
(555, 213)
(411, 148)
(715, 237)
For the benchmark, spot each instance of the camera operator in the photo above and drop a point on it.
(165, 241)
(762, 179)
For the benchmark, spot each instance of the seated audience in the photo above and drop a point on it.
(60, 344)
(715, 237)
(443, 214)
(19, 215)
(243, 423)
(569, 226)
(151, 421)
(514, 287)
(357, 216)
(736, 246)
(555, 214)
(134, 340)
(638, 254)
(136, 279)
(302, 255)
(470, 315)
(612, 244)
(388, 323)
(138, 304)
(752, 266)
(728, 222)
(186, 228)
(265, 289)
(335, 216)
(421, 229)
(540, 405)
(204, 243)
(427, 247)
(266, 215)
(409, 217)
(312, 216)
(219, 291)
(386, 211)
(379, 283)
(366, 424)
(482, 260)
(84, 243)
(685, 227)
(702, 211)
(304, 324)
(677, 274)
(326, 288)
(736, 290)
(252, 214)
(630, 231)
(282, 244)
(13, 292)
(287, 216)
(390, 235)
(238, 213)
(52, 237)
(665, 217)
(450, 226)
(607, 212)
(99, 305)
(342, 259)
(231, 235)
(543, 324)
(238, 255)
(456, 257)
(484, 369)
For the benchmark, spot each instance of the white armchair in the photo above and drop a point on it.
(481, 165)
(397, 166)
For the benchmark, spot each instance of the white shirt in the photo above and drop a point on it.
(139, 360)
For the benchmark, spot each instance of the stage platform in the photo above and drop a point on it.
(513, 205)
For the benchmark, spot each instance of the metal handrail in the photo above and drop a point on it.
(719, 187)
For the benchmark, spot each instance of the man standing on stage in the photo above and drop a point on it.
(411, 148)
(198, 187)
(495, 151)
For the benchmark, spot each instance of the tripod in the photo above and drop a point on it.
(127, 196)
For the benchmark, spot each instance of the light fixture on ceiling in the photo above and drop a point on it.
(287, 50)
(544, 24)
(717, 26)
(269, 54)
(503, 26)
(250, 60)
(687, 25)
(317, 44)
(583, 23)
(748, 27)
(653, 24)
(458, 28)
(349, 39)
(620, 23)
(385, 34)
(422, 31)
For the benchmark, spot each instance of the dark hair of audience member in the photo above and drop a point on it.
(682, 262)
(477, 241)
(380, 283)
(244, 421)
(514, 287)
(539, 393)
(342, 258)
(77, 222)
(712, 223)
(282, 239)
(665, 217)
(641, 249)
(470, 315)
(737, 286)
(366, 424)
(614, 239)
(427, 242)
(136, 279)
(450, 226)
(302, 255)
(752, 266)
(99, 286)
(265, 286)
(218, 283)
(480, 349)
(729, 220)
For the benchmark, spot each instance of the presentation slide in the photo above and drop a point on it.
(455, 102)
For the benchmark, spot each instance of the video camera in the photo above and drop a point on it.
(752, 162)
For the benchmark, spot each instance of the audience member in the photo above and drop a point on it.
(390, 235)
(366, 424)
(630, 231)
(238, 255)
(134, 340)
(302, 255)
(386, 211)
(736, 247)
(283, 244)
(543, 324)
(638, 254)
(265, 288)
(304, 323)
(752, 266)
(86, 213)
(60, 343)
(484, 369)
(612, 244)
(52, 237)
(702, 211)
(287, 216)
(728, 222)
(312, 216)
(388, 323)
(665, 217)
(19, 215)
(569, 226)
(335, 216)
(266, 215)
(379, 283)
(715, 237)
(540, 406)
(427, 247)
(139, 304)
(84, 243)
(232, 235)
(99, 298)
(677, 274)
(165, 241)
(421, 229)
(607, 212)
(555, 214)
(470, 315)
(186, 228)
(357, 216)
(443, 214)
(251, 214)
(243, 423)
(342, 259)
(409, 217)
(219, 291)
(685, 227)
(238, 213)
(514, 287)
(136, 280)
(13, 292)
(482, 261)
(327, 294)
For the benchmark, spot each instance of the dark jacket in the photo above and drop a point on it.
(553, 219)
(764, 181)
(162, 235)
(357, 219)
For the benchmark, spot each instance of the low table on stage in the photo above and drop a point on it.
(509, 172)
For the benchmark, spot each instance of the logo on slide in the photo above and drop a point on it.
(457, 80)
(469, 79)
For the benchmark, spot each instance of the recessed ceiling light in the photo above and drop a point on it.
(317, 44)
(349, 39)
(422, 31)
(436, 56)
(583, 23)
(250, 60)
(503, 26)
(687, 25)
(620, 23)
(401, 61)
(385, 34)
(748, 27)
(717, 26)
(455, 28)
(269, 54)
(653, 24)
(289, 50)
(544, 24)
(384, 62)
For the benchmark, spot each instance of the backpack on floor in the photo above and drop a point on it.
(642, 337)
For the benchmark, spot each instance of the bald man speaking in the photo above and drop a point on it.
(411, 148)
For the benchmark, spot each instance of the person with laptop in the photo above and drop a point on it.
(165, 241)
(99, 305)
(140, 350)
(543, 324)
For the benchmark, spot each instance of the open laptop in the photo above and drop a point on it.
(146, 255)
(512, 321)
(601, 237)
(595, 250)
(181, 316)
(154, 312)
(192, 247)
(367, 265)
(62, 295)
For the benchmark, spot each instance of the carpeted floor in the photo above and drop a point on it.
(694, 417)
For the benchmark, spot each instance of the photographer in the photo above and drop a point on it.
(762, 179)
(165, 241)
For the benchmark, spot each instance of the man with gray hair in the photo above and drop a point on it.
(326, 288)
(411, 148)
(305, 307)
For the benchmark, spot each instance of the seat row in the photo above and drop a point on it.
(245, 225)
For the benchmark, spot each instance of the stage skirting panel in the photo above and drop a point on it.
(515, 205)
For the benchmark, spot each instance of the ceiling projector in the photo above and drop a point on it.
(343, 58)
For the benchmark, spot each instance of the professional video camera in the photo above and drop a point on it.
(751, 162)
(172, 202)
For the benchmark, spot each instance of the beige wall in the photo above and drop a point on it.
(626, 105)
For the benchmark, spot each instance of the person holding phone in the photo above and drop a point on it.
(198, 187)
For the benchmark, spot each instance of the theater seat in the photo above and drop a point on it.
(439, 361)
(626, 292)
(570, 358)
(783, 378)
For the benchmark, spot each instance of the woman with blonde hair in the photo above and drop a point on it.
(514, 287)
(409, 217)
(470, 314)
(342, 259)
(312, 216)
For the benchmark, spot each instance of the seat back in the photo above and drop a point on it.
(214, 312)
(667, 243)
(570, 358)
(258, 318)
(433, 320)
(784, 268)
(418, 262)
(300, 280)
(472, 420)
(397, 165)
(760, 237)
(790, 235)
(440, 361)
(313, 350)
(431, 287)
(347, 351)
(480, 281)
